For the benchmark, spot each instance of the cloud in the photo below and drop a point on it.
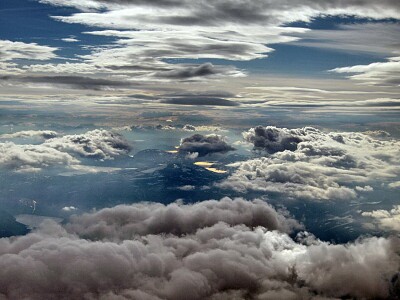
(61, 151)
(76, 82)
(232, 12)
(385, 219)
(379, 73)
(69, 208)
(227, 249)
(394, 185)
(198, 71)
(32, 157)
(189, 127)
(152, 39)
(308, 163)
(377, 133)
(10, 50)
(125, 222)
(97, 143)
(46, 134)
(212, 101)
(272, 139)
(371, 38)
(205, 144)
(187, 188)
(70, 39)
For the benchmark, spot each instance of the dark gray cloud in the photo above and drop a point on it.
(307, 163)
(205, 144)
(62, 150)
(188, 72)
(169, 252)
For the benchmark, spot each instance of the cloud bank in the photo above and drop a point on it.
(227, 249)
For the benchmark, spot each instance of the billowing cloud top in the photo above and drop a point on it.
(205, 144)
(309, 163)
(60, 150)
(272, 139)
(167, 252)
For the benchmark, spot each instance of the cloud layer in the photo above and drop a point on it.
(222, 251)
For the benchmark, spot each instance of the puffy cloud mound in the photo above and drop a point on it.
(205, 144)
(161, 256)
(46, 134)
(56, 151)
(272, 139)
(96, 143)
(385, 219)
(32, 157)
(124, 222)
(309, 163)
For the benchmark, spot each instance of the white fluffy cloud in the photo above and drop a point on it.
(32, 157)
(100, 144)
(228, 249)
(385, 219)
(46, 134)
(308, 163)
(205, 144)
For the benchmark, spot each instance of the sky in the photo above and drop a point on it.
(226, 149)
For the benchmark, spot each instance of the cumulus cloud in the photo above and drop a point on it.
(205, 144)
(97, 143)
(32, 157)
(150, 34)
(379, 73)
(385, 219)
(228, 249)
(46, 134)
(272, 139)
(58, 151)
(309, 163)
(77, 82)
